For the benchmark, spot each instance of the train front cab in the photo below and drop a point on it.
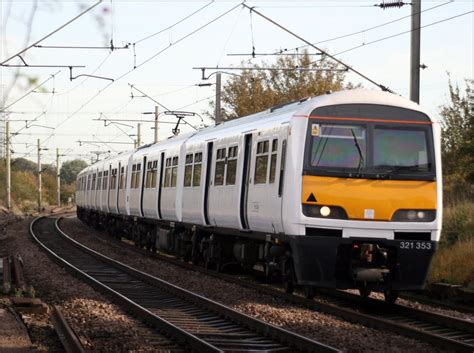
(370, 199)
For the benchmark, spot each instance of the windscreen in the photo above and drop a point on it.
(362, 143)
(334, 146)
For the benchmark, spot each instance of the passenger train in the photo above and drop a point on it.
(337, 191)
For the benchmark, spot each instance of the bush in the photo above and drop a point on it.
(454, 264)
(458, 223)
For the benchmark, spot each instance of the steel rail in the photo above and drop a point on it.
(425, 299)
(437, 329)
(66, 334)
(218, 329)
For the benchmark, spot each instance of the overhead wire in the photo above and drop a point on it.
(357, 72)
(29, 92)
(230, 36)
(143, 63)
(404, 32)
(196, 102)
(51, 33)
(347, 35)
(174, 24)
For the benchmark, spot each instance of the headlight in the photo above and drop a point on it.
(321, 211)
(414, 216)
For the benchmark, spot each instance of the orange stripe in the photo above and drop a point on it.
(366, 119)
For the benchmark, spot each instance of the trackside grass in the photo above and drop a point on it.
(454, 261)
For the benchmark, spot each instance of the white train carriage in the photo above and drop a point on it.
(341, 191)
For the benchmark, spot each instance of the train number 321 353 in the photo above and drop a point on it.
(415, 245)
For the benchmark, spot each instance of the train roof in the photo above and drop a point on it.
(283, 113)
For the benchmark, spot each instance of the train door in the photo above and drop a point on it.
(278, 186)
(208, 182)
(245, 181)
(128, 179)
(144, 170)
(107, 186)
(160, 184)
(117, 190)
(263, 201)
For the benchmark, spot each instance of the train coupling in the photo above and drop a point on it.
(369, 263)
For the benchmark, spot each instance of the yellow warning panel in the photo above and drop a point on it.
(369, 198)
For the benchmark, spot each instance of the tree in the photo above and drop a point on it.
(254, 91)
(24, 165)
(458, 139)
(70, 169)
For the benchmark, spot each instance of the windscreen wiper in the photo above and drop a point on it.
(361, 157)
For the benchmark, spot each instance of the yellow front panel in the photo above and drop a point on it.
(357, 195)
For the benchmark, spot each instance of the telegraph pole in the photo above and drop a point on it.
(415, 51)
(157, 108)
(39, 175)
(218, 99)
(9, 180)
(58, 179)
(139, 133)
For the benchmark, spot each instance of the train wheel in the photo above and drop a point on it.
(309, 292)
(391, 295)
(364, 292)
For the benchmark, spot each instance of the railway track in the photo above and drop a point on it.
(195, 322)
(440, 330)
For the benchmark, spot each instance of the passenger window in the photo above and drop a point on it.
(113, 179)
(220, 166)
(93, 181)
(197, 169)
(122, 178)
(154, 174)
(138, 176)
(188, 170)
(105, 180)
(134, 175)
(99, 180)
(174, 172)
(231, 166)
(167, 173)
(273, 160)
(149, 170)
(261, 163)
(151, 175)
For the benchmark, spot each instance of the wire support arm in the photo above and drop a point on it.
(86, 75)
(27, 93)
(51, 33)
(350, 68)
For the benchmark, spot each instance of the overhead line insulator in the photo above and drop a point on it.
(389, 4)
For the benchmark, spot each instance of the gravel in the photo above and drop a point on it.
(327, 329)
(100, 324)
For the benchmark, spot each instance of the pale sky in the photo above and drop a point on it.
(169, 77)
